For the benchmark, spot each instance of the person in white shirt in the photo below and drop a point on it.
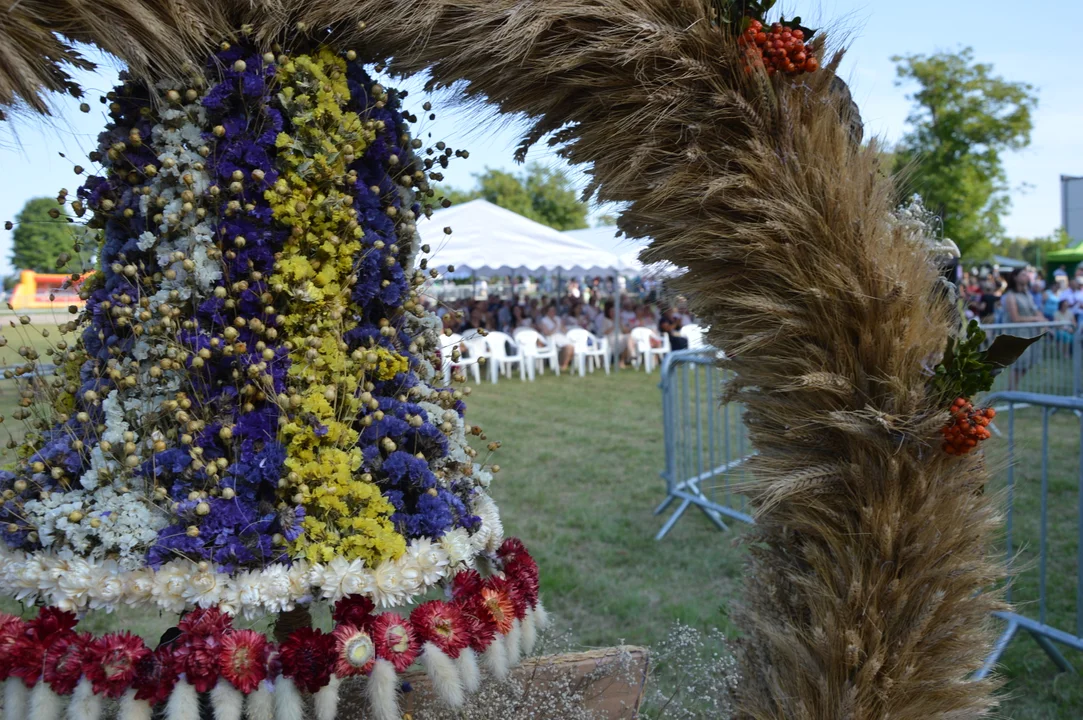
(551, 327)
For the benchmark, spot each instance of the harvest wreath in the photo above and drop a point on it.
(254, 349)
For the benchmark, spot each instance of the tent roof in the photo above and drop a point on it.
(489, 240)
(627, 251)
(1067, 255)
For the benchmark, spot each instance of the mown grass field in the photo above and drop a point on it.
(579, 481)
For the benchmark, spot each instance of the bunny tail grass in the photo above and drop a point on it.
(513, 641)
(288, 702)
(85, 704)
(325, 701)
(541, 615)
(226, 701)
(383, 691)
(45, 704)
(495, 658)
(530, 631)
(132, 709)
(16, 699)
(444, 674)
(869, 591)
(183, 703)
(467, 662)
(260, 705)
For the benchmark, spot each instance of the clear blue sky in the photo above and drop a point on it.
(1026, 47)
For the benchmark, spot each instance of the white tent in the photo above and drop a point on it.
(489, 240)
(627, 251)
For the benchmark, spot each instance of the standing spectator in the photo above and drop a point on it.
(1018, 302)
(1019, 307)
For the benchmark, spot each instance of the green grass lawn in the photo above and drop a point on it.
(580, 459)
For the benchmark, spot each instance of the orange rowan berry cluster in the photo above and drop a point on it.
(968, 427)
(779, 49)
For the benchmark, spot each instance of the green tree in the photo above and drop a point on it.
(42, 232)
(1034, 250)
(541, 194)
(963, 119)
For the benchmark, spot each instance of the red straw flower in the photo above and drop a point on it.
(27, 659)
(496, 601)
(511, 547)
(243, 659)
(442, 624)
(64, 661)
(355, 652)
(480, 628)
(12, 630)
(52, 621)
(395, 640)
(156, 676)
(111, 662)
(466, 585)
(205, 622)
(307, 657)
(353, 610)
(197, 657)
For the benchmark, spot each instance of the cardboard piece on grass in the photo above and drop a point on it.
(611, 679)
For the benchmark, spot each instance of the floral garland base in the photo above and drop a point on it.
(50, 670)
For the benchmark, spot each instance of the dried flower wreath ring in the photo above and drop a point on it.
(249, 423)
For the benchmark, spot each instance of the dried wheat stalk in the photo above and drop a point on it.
(866, 595)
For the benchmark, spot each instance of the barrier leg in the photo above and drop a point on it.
(673, 519)
(998, 650)
(1054, 654)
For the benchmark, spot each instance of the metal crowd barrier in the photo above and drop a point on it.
(706, 444)
(1040, 628)
(706, 447)
(1050, 367)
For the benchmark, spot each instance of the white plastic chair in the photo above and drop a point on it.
(534, 355)
(499, 358)
(477, 351)
(588, 349)
(447, 346)
(694, 335)
(645, 353)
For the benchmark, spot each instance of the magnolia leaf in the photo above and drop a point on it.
(1006, 349)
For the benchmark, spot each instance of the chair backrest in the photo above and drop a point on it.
(475, 346)
(694, 335)
(642, 337)
(528, 340)
(448, 342)
(582, 339)
(497, 343)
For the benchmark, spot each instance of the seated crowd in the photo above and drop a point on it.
(553, 317)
